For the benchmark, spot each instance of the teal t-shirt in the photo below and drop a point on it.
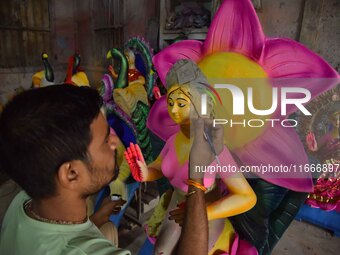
(22, 235)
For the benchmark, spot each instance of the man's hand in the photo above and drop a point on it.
(107, 208)
(201, 153)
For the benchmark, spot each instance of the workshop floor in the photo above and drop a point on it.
(300, 238)
(303, 238)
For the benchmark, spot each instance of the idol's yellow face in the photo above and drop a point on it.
(179, 104)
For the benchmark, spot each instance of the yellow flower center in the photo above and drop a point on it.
(238, 70)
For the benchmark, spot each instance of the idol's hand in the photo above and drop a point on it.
(201, 153)
(311, 142)
(178, 214)
(112, 72)
(156, 92)
(135, 159)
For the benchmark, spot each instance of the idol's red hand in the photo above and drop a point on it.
(311, 142)
(156, 92)
(135, 159)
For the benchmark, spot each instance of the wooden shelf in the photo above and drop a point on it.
(166, 36)
(189, 30)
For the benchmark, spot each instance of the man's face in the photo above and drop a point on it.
(102, 156)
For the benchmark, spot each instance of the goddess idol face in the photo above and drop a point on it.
(179, 104)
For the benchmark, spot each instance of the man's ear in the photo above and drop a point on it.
(71, 173)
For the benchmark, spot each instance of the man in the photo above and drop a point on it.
(56, 144)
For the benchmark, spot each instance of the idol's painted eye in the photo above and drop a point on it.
(181, 105)
(171, 104)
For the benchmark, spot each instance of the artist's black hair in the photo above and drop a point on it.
(40, 129)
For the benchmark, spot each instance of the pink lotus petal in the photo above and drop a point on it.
(298, 67)
(285, 58)
(279, 146)
(245, 248)
(235, 27)
(188, 49)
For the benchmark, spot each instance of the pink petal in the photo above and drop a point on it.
(246, 248)
(235, 27)
(188, 49)
(285, 58)
(279, 146)
(297, 66)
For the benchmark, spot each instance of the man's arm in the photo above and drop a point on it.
(194, 236)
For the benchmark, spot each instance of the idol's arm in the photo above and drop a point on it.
(241, 198)
(154, 171)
